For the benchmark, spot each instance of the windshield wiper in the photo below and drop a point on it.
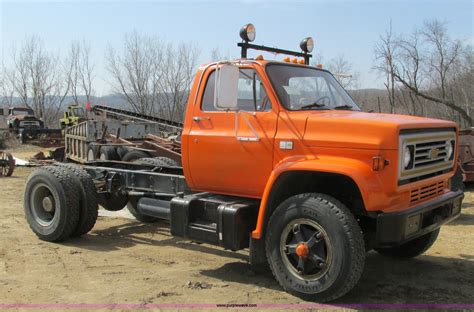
(312, 105)
(345, 106)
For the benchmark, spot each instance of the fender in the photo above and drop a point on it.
(359, 171)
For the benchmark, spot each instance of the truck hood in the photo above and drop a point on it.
(351, 129)
(23, 117)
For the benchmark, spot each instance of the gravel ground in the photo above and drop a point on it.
(124, 261)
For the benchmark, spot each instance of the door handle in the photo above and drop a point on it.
(198, 118)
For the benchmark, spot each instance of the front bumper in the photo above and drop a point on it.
(399, 227)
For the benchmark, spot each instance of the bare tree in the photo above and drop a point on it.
(86, 71)
(72, 63)
(216, 55)
(136, 71)
(38, 80)
(430, 66)
(153, 77)
(178, 72)
(384, 55)
(342, 70)
(7, 90)
(80, 71)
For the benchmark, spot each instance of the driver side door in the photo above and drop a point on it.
(232, 152)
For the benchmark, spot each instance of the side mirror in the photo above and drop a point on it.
(226, 88)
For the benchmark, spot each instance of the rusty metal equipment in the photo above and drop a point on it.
(7, 164)
(466, 154)
(124, 131)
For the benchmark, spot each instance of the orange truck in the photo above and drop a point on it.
(276, 158)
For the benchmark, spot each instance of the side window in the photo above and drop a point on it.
(251, 93)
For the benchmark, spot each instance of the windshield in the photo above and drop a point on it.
(301, 88)
(78, 112)
(22, 111)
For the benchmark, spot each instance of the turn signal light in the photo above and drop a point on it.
(379, 163)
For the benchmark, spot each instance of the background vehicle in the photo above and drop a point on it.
(22, 118)
(466, 154)
(275, 157)
(74, 115)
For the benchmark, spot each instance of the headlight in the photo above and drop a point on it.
(307, 44)
(248, 33)
(407, 157)
(449, 149)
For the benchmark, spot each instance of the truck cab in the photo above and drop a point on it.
(74, 115)
(22, 118)
(276, 158)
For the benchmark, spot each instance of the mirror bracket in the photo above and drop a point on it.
(256, 138)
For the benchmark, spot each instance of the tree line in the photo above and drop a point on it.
(425, 73)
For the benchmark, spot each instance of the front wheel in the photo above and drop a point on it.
(315, 247)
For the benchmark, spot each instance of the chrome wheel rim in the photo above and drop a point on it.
(306, 249)
(43, 204)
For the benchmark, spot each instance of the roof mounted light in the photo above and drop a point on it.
(248, 33)
(307, 44)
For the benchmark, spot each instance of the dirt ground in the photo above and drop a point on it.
(124, 261)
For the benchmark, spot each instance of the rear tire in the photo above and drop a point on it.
(332, 252)
(158, 162)
(113, 202)
(88, 203)
(108, 153)
(134, 155)
(92, 152)
(51, 203)
(412, 248)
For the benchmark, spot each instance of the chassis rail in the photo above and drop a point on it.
(137, 179)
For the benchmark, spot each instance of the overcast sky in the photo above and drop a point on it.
(350, 28)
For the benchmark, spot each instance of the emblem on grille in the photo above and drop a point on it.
(434, 153)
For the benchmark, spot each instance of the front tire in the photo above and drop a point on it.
(314, 247)
(412, 248)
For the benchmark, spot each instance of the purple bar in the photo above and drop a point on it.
(231, 305)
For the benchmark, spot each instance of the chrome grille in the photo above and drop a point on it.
(424, 153)
(430, 154)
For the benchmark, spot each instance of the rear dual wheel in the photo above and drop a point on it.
(315, 247)
(98, 152)
(59, 202)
